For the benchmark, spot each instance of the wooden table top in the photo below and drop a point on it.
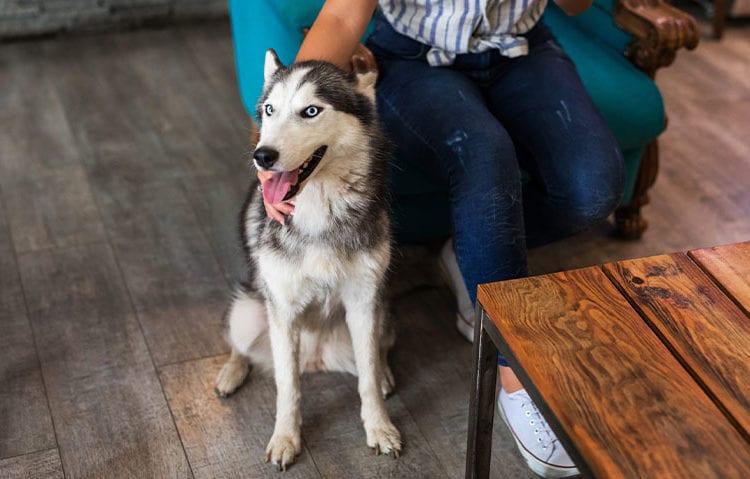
(641, 366)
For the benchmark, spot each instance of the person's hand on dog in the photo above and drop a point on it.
(276, 211)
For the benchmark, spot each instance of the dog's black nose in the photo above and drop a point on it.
(265, 156)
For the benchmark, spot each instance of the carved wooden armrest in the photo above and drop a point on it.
(659, 30)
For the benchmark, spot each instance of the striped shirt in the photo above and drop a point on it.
(452, 27)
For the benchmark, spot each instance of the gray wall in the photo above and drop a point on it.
(19, 18)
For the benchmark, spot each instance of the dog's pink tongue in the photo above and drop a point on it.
(276, 187)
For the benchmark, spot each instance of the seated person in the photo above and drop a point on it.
(476, 92)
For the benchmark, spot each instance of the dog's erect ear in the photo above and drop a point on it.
(366, 84)
(272, 64)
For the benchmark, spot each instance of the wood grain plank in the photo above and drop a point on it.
(110, 415)
(54, 209)
(730, 267)
(198, 130)
(217, 203)
(112, 131)
(333, 433)
(178, 289)
(206, 135)
(25, 421)
(707, 331)
(212, 50)
(226, 438)
(36, 135)
(47, 197)
(613, 388)
(39, 465)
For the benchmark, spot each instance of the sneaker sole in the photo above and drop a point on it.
(537, 466)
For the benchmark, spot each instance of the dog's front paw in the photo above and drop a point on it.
(282, 449)
(384, 438)
(231, 376)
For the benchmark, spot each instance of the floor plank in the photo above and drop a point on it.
(36, 136)
(109, 122)
(25, 420)
(217, 203)
(178, 288)
(47, 197)
(225, 438)
(333, 433)
(196, 134)
(110, 415)
(39, 465)
(213, 53)
(54, 209)
(208, 137)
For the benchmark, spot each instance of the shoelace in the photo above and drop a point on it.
(544, 434)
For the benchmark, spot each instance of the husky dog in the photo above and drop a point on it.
(313, 300)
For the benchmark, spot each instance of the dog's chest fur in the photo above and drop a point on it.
(331, 241)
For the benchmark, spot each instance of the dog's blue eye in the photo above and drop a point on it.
(269, 110)
(311, 111)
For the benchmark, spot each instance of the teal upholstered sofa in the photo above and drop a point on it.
(617, 46)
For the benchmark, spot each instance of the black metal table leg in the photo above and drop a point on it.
(482, 401)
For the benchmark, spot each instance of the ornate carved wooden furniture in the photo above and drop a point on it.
(659, 30)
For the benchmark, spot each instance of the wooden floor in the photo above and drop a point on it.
(123, 163)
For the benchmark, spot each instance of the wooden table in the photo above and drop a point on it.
(641, 367)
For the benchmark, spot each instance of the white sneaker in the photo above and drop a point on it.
(452, 274)
(535, 440)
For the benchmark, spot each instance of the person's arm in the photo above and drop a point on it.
(333, 37)
(573, 7)
(335, 34)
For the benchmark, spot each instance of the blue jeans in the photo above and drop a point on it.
(481, 122)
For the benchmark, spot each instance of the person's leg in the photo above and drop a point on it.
(438, 120)
(564, 144)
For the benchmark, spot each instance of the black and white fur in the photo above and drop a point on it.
(313, 300)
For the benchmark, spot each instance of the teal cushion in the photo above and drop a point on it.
(628, 99)
(598, 23)
(256, 26)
